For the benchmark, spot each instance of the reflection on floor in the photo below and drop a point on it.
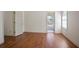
(37, 40)
(51, 28)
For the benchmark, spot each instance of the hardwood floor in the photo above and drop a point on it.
(37, 40)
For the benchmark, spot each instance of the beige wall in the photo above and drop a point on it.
(73, 27)
(35, 21)
(1, 28)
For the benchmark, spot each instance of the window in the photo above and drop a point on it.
(64, 19)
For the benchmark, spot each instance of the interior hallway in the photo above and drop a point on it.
(37, 40)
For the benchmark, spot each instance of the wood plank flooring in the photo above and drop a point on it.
(37, 40)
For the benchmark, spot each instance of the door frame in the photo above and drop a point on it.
(47, 22)
(14, 22)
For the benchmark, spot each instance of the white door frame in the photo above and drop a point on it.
(47, 23)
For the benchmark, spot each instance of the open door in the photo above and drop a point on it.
(18, 23)
(13, 23)
(9, 23)
(51, 21)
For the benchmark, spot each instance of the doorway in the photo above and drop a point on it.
(13, 23)
(51, 22)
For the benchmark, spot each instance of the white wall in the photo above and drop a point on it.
(35, 21)
(57, 22)
(19, 23)
(73, 27)
(8, 23)
(23, 21)
(1, 28)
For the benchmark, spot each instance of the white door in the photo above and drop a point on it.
(9, 23)
(18, 23)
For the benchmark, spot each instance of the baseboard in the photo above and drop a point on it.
(13, 35)
(36, 32)
(57, 33)
(69, 40)
(23, 33)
